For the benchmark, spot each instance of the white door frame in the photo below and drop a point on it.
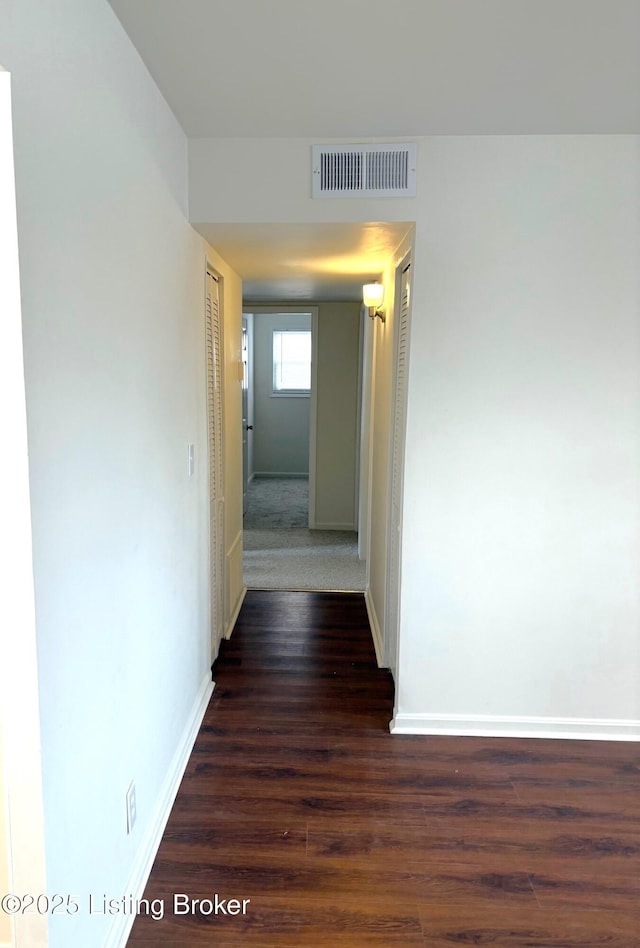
(367, 388)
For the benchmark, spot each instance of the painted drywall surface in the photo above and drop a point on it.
(521, 528)
(337, 415)
(22, 857)
(281, 424)
(6, 923)
(381, 434)
(520, 549)
(269, 181)
(512, 73)
(113, 297)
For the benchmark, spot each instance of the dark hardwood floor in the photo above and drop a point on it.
(297, 798)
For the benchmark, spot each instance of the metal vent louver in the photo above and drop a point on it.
(342, 171)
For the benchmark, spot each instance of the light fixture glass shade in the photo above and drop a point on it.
(372, 295)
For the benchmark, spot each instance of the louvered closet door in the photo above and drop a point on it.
(216, 487)
(397, 469)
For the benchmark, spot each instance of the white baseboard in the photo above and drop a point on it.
(478, 725)
(376, 634)
(350, 527)
(259, 474)
(122, 924)
(235, 613)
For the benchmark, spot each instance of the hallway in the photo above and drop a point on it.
(298, 799)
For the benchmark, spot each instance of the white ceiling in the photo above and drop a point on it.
(370, 68)
(305, 261)
(378, 69)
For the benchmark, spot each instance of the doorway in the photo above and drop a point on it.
(300, 516)
(277, 399)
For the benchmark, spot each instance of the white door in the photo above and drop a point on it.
(213, 326)
(401, 347)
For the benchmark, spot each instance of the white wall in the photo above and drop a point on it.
(337, 415)
(6, 885)
(520, 592)
(268, 180)
(380, 437)
(281, 424)
(113, 301)
(22, 859)
(521, 534)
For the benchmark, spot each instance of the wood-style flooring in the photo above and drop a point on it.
(298, 798)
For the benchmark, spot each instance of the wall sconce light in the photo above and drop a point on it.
(372, 296)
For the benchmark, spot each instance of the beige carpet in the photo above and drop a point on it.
(274, 503)
(288, 555)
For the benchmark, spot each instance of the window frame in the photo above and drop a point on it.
(291, 392)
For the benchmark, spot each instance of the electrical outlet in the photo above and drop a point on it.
(132, 810)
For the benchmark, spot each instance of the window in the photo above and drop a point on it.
(291, 362)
